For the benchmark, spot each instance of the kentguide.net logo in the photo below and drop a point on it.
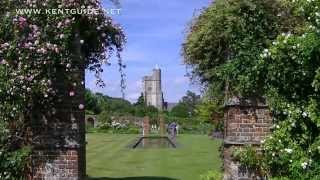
(67, 11)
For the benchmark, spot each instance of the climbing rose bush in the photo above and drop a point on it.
(291, 66)
(266, 49)
(33, 46)
(35, 49)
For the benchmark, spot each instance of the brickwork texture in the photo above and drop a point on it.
(243, 124)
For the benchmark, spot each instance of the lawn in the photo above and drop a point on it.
(108, 157)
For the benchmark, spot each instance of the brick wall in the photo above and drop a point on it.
(162, 126)
(56, 164)
(146, 126)
(245, 122)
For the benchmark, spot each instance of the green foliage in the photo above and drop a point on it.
(205, 110)
(13, 163)
(38, 54)
(279, 178)
(104, 117)
(126, 130)
(266, 49)
(140, 101)
(186, 114)
(180, 110)
(293, 150)
(191, 100)
(187, 105)
(119, 106)
(210, 111)
(92, 102)
(190, 125)
(225, 41)
(250, 159)
(149, 111)
(110, 106)
(212, 175)
(114, 108)
(291, 68)
(98, 103)
(199, 128)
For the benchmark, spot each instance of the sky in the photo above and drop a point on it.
(155, 30)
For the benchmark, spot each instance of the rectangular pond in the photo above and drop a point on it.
(154, 142)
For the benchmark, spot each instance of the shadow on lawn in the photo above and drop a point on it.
(132, 178)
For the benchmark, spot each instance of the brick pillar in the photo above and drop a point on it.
(245, 122)
(162, 126)
(146, 126)
(59, 135)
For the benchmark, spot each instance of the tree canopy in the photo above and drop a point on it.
(225, 42)
(187, 105)
(117, 106)
(140, 101)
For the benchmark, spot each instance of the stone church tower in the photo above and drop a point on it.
(153, 95)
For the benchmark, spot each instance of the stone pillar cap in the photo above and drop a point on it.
(240, 101)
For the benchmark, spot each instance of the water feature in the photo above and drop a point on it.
(154, 142)
(158, 141)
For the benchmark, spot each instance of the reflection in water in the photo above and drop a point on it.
(154, 142)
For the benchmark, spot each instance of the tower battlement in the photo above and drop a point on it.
(152, 89)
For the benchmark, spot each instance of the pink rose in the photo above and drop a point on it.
(81, 106)
(71, 93)
(22, 22)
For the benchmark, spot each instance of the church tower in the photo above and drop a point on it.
(153, 94)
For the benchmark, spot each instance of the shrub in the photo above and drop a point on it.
(133, 130)
(13, 163)
(201, 128)
(118, 129)
(278, 60)
(280, 178)
(251, 159)
(212, 175)
(129, 129)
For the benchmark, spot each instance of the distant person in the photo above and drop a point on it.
(173, 129)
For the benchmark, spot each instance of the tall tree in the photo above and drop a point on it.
(140, 101)
(191, 99)
(187, 105)
(92, 103)
(224, 43)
